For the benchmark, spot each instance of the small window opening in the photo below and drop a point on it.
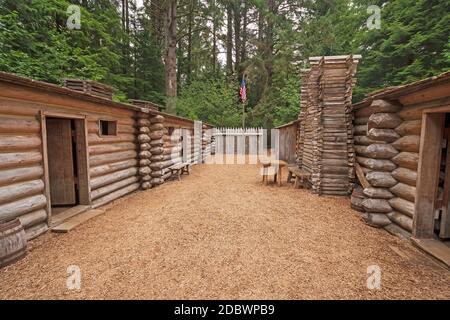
(108, 128)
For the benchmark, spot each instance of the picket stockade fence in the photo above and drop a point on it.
(251, 142)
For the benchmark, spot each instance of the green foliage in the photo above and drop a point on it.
(212, 100)
(35, 42)
(413, 43)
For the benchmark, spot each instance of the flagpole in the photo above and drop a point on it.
(243, 114)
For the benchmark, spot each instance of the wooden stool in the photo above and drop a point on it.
(300, 176)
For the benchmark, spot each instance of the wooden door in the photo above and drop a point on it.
(60, 162)
(444, 232)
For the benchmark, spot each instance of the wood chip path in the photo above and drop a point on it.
(221, 234)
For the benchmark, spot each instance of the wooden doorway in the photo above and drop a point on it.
(66, 166)
(432, 207)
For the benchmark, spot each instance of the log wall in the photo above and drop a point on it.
(387, 147)
(138, 156)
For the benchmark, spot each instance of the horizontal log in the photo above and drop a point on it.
(376, 205)
(157, 181)
(376, 164)
(95, 139)
(144, 171)
(402, 220)
(411, 113)
(387, 135)
(19, 159)
(112, 177)
(19, 126)
(384, 121)
(378, 193)
(157, 119)
(407, 160)
(22, 206)
(366, 141)
(112, 167)
(157, 127)
(378, 106)
(377, 151)
(403, 206)
(406, 176)
(100, 159)
(19, 190)
(144, 138)
(157, 151)
(33, 218)
(115, 195)
(156, 135)
(15, 143)
(377, 220)
(143, 123)
(408, 143)
(111, 148)
(157, 143)
(361, 121)
(103, 191)
(412, 127)
(404, 191)
(145, 130)
(15, 175)
(36, 231)
(360, 130)
(381, 179)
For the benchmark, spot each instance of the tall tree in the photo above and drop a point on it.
(171, 55)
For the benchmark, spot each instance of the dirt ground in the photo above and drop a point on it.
(221, 234)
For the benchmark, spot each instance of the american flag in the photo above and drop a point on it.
(243, 91)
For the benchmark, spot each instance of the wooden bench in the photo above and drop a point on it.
(300, 176)
(180, 168)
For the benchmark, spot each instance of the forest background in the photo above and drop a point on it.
(191, 55)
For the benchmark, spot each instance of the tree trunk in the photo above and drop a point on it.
(189, 44)
(244, 34)
(214, 18)
(171, 55)
(237, 34)
(269, 43)
(230, 38)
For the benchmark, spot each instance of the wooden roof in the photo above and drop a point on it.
(288, 124)
(398, 92)
(53, 88)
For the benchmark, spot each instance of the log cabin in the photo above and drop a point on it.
(402, 144)
(64, 151)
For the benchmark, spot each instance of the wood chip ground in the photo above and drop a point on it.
(221, 234)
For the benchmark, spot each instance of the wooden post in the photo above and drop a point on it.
(45, 163)
(428, 175)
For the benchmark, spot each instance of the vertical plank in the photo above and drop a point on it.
(428, 175)
(241, 148)
(229, 140)
(61, 166)
(252, 147)
(45, 161)
(84, 189)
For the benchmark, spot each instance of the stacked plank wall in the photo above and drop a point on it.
(325, 147)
